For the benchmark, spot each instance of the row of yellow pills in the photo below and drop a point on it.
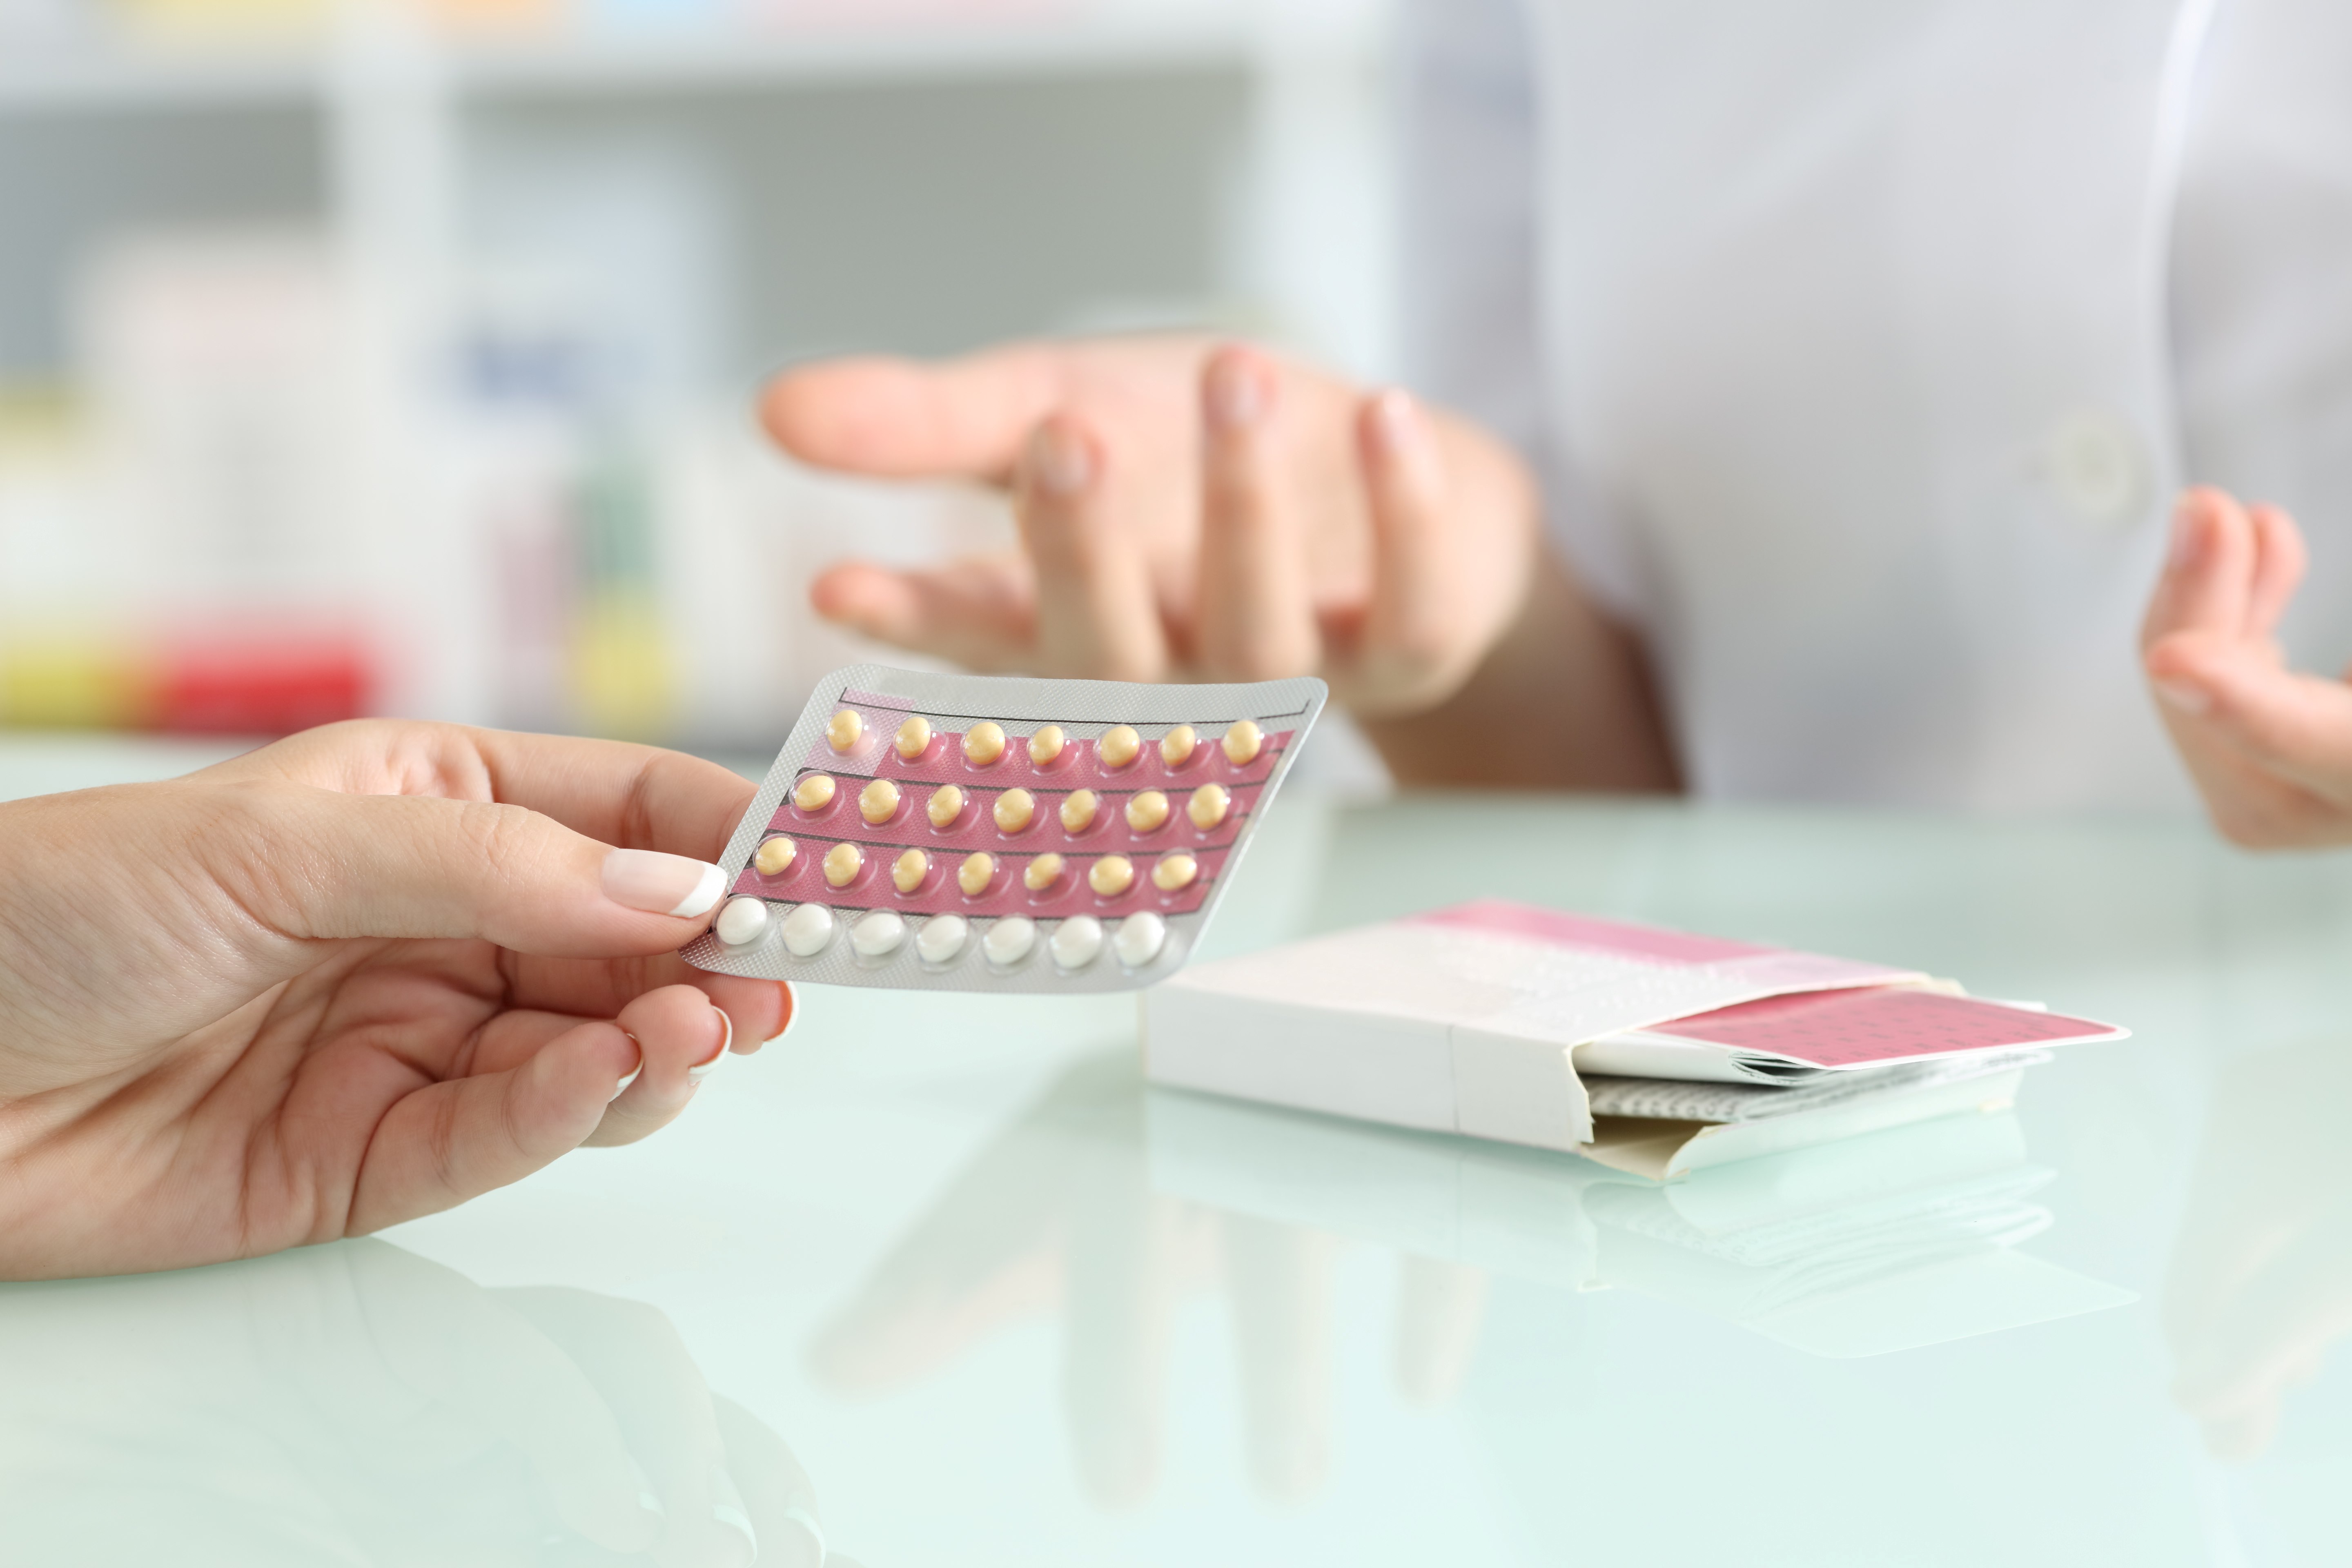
(1110, 876)
(985, 741)
(1015, 809)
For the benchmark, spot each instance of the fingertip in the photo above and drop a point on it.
(861, 596)
(840, 413)
(1061, 458)
(562, 1091)
(760, 1010)
(1238, 385)
(2209, 579)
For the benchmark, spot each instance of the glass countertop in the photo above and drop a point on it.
(938, 1279)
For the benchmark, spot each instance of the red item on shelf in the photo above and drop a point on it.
(262, 685)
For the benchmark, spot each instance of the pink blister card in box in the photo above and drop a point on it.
(986, 833)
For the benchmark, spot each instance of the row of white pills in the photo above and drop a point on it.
(1075, 942)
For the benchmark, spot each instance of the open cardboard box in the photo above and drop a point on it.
(1467, 1020)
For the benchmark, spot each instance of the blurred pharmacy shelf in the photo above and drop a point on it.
(1074, 40)
(388, 361)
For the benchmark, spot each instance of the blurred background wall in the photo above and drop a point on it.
(397, 355)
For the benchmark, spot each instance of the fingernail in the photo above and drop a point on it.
(631, 1076)
(1237, 393)
(702, 1069)
(1060, 460)
(727, 1511)
(647, 1497)
(2181, 695)
(662, 884)
(804, 1544)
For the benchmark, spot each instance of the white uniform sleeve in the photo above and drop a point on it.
(1470, 123)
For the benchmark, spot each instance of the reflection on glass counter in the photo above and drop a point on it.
(1108, 1203)
(355, 1402)
(1888, 1241)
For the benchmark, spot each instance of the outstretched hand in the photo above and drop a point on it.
(2269, 747)
(1186, 510)
(344, 981)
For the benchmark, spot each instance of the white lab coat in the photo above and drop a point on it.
(1844, 333)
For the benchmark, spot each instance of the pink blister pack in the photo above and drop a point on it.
(987, 833)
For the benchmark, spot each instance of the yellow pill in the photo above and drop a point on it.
(1174, 871)
(1043, 873)
(1208, 806)
(841, 733)
(947, 804)
(1147, 811)
(1045, 744)
(1120, 746)
(1242, 742)
(775, 855)
(1014, 807)
(878, 802)
(1111, 876)
(908, 872)
(1177, 746)
(913, 736)
(814, 793)
(973, 874)
(1078, 810)
(984, 742)
(841, 862)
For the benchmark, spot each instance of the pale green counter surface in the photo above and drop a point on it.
(1008, 1307)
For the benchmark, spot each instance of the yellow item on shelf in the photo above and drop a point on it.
(68, 682)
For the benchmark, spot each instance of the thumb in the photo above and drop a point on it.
(2297, 726)
(320, 865)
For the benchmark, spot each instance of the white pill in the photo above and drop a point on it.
(1010, 940)
(1140, 939)
(1077, 942)
(941, 938)
(743, 919)
(878, 934)
(807, 929)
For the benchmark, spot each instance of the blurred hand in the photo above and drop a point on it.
(1060, 1215)
(348, 979)
(1187, 511)
(2270, 749)
(357, 1403)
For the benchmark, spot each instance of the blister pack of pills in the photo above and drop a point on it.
(989, 833)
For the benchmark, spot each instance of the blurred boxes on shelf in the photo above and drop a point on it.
(191, 540)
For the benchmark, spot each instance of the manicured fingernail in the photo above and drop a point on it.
(804, 1543)
(2181, 695)
(1237, 393)
(662, 884)
(1060, 460)
(630, 1077)
(727, 1511)
(647, 1497)
(702, 1069)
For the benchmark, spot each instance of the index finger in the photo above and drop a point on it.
(630, 797)
(898, 418)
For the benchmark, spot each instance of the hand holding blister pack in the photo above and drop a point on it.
(985, 833)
